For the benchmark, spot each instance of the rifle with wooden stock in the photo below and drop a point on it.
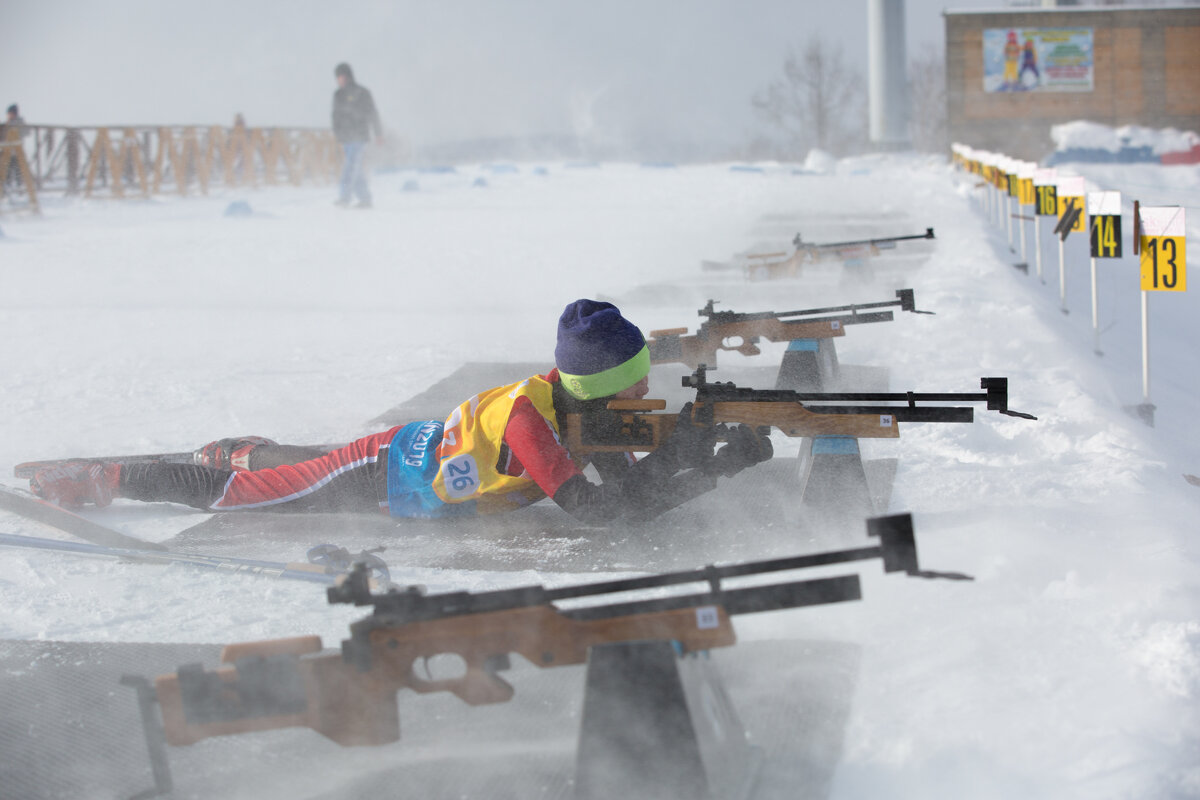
(783, 265)
(874, 245)
(633, 425)
(741, 331)
(349, 695)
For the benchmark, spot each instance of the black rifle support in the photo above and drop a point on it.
(160, 767)
(656, 724)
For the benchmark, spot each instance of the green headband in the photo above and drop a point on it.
(610, 381)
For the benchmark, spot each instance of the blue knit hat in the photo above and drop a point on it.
(599, 352)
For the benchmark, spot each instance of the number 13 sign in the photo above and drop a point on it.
(1163, 258)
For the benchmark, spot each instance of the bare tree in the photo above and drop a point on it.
(927, 94)
(817, 102)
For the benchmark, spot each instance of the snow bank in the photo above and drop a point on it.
(819, 162)
(1094, 142)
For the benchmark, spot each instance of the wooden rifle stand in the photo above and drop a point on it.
(809, 365)
(658, 725)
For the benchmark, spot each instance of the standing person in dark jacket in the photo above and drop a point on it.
(354, 118)
(12, 119)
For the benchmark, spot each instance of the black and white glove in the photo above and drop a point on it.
(690, 445)
(744, 447)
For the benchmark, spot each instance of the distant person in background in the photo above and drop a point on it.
(354, 119)
(12, 119)
(1012, 57)
(1029, 62)
(241, 148)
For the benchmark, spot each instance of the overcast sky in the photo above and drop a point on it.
(455, 69)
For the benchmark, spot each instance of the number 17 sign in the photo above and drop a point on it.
(1163, 259)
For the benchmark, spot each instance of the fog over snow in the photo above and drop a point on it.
(661, 76)
(1070, 667)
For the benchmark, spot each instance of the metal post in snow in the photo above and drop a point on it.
(1062, 274)
(1070, 197)
(1044, 178)
(1008, 218)
(1145, 348)
(1021, 222)
(1025, 174)
(1159, 235)
(1104, 239)
(994, 207)
(1037, 244)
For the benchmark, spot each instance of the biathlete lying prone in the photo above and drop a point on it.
(497, 451)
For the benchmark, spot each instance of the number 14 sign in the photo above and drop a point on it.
(1163, 258)
(1104, 209)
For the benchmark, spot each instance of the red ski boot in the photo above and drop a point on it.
(77, 482)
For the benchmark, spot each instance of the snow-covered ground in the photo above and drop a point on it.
(1070, 668)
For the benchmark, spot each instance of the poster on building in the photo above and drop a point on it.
(1037, 60)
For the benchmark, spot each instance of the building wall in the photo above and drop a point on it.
(1145, 71)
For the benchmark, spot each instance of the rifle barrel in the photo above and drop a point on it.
(832, 309)
(872, 397)
(928, 234)
(412, 606)
(996, 397)
(736, 601)
(904, 413)
(712, 573)
(904, 300)
(851, 319)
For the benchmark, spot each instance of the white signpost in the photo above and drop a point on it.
(1045, 188)
(992, 162)
(1025, 200)
(1009, 166)
(1159, 236)
(1104, 227)
(1070, 187)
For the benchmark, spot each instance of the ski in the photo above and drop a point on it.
(27, 469)
(326, 573)
(30, 506)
